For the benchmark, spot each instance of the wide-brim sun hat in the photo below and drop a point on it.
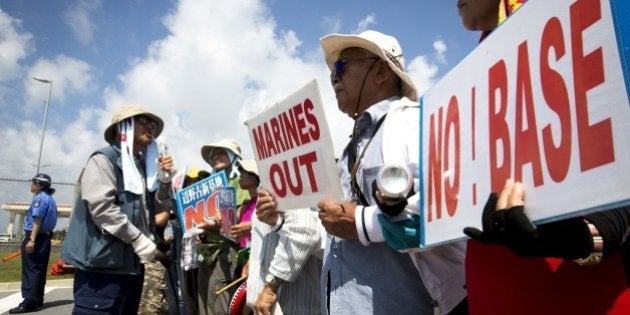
(248, 165)
(227, 144)
(129, 111)
(384, 46)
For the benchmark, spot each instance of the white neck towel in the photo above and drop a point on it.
(131, 175)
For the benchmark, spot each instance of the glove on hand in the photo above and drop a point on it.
(391, 210)
(508, 227)
(144, 248)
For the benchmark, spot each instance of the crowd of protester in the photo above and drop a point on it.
(357, 256)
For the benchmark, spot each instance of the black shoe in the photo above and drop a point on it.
(23, 309)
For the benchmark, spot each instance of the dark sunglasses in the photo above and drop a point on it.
(147, 122)
(340, 65)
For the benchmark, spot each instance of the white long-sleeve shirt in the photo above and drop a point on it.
(293, 253)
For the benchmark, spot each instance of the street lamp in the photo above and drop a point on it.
(41, 143)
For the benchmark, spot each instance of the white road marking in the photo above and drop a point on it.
(15, 299)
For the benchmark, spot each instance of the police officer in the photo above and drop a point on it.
(38, 226)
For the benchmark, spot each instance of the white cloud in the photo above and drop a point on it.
(332, 24)
(440, 50)
(222, 62)
(423, 70)
(14, 47)
(365, 23)
(79, 18)
(69, 75)
(66, 146)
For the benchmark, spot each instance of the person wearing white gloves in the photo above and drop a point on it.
(111, 232)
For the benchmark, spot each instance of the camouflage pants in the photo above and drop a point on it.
(153, 300)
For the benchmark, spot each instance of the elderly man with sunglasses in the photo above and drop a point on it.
(366, 267)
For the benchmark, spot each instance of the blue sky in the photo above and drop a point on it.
(203, 66)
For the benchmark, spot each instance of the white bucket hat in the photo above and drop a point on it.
(384, 46)
(248, 165)
(228, 144)
(129, 111)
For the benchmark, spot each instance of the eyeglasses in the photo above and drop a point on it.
(147, 122)
(340, 65)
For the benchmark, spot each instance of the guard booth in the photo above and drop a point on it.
(17, 211)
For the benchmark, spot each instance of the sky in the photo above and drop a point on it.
(203, 66)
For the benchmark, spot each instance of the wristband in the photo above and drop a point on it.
(598, 247)
(279, 225)
(273, 282)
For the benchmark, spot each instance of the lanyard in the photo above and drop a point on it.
(356, 193)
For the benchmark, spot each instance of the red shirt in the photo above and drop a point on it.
(499, 282)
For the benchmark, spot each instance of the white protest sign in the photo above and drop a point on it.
(542, 100)
(293, 148)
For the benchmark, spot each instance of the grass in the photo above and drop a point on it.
(11, 271)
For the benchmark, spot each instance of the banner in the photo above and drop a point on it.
(293, 149)
(201, 201)
(543, 100)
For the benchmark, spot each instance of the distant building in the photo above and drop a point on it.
(18, 210)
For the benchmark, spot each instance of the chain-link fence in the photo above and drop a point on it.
(15, 198)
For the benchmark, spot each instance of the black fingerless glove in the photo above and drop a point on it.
(508, 227)
(512, 228)
(391, 210)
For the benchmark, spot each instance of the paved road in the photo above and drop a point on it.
(57, 300)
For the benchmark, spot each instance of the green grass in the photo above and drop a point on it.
(11, 271)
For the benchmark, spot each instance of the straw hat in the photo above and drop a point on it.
(248, 165)
(228, 144)
(129, 111)
(384, 46)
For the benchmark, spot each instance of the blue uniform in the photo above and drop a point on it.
(34, 265)
(44, 207)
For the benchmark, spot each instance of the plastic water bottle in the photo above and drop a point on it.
(163, 175)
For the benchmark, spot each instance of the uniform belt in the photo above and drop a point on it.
(28, 233)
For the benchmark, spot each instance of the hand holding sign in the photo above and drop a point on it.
(338, 219)
(199, 205)
(293, 149)
(504, 219)
(267, 208)
(549, 108)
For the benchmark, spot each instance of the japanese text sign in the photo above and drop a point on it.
(200, 201)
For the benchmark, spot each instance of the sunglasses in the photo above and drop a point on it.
(340, 65)
(147, 122)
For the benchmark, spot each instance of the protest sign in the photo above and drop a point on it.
(200, 201)
(293, 149)
(178, 180)
(542, 100)
(227, 210)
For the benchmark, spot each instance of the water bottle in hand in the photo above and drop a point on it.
(163, 175)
